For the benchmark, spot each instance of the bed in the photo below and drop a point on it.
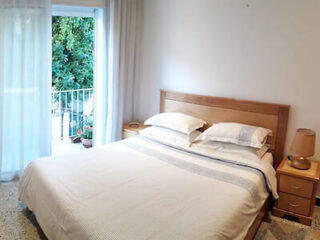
(139, 188)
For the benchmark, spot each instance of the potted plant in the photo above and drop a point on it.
(86, 135)
(77, 126)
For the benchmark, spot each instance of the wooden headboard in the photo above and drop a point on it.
(217, 109)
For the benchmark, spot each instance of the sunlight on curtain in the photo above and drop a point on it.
(116, 74)
(125, 31)
(100, 76)
(25, 83)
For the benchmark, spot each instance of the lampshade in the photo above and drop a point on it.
(303, 142)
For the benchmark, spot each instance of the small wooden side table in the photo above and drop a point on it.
(297, 190)
(128, 131)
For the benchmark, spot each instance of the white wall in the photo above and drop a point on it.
(263, 50)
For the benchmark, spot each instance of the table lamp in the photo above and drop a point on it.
(302, 147)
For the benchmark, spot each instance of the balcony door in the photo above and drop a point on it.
(73, 33)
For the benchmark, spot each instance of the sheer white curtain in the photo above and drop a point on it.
(101, 74)
(123, 30)
(25, 83)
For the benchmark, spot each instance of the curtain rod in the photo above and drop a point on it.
(23, 7)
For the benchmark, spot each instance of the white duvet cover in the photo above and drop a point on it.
(139, 189)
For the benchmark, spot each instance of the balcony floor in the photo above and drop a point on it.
(66, 147)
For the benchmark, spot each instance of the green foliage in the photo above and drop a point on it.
(72, 52)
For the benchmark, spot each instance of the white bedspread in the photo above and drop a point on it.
(138, 189)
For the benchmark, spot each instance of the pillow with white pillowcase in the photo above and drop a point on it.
(245, 151)
(177, 121)
(169, 136)
(236, 133)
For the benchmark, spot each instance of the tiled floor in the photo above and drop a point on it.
(274, 228)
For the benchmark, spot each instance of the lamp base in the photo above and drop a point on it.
(300, 163)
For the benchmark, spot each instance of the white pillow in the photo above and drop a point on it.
(234, 148)
(169, 136)
(241, 134)
(176, 121)
(245, 152)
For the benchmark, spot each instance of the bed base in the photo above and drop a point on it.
(257, 222)
(254, 226)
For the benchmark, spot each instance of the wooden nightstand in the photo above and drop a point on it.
(297, 189)
(128, 131)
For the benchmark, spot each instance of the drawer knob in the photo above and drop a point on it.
(295, 187)
(293, 205)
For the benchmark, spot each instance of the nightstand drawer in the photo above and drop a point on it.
(294, 204)
(297, 186)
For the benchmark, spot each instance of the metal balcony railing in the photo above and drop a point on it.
(70, 109)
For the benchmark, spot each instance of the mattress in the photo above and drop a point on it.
(141, 189)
